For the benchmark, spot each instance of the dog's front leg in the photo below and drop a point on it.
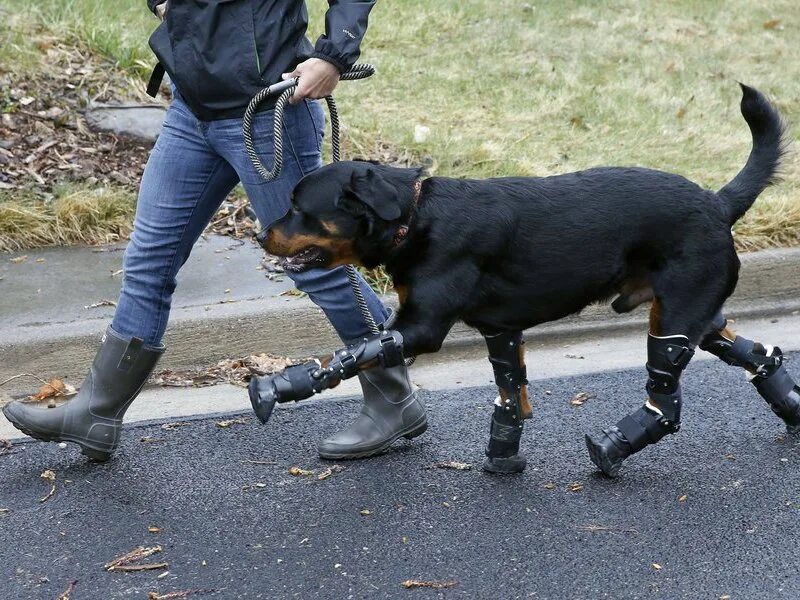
(511, 407)
(299, 382)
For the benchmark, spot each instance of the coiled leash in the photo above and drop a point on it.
(286, 89)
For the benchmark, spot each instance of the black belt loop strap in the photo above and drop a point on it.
(156, 77)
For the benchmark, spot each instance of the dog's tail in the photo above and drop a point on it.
(769, 146)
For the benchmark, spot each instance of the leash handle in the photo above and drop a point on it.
(286, 89)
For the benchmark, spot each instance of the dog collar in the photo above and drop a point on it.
(402, 231)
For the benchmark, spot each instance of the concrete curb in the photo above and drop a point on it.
(769, 285)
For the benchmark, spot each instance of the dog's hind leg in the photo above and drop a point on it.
(765, 368)
(511, 407)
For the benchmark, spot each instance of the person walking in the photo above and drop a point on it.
(219, 54)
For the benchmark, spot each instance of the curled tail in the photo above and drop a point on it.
(769, 145)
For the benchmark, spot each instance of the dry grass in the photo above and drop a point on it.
(75, 216)
(536, 88)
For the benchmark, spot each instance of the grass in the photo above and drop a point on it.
(532, 88)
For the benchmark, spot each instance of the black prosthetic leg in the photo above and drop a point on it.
(511, 406)
(298, 382)
(764, 364)
(667, 357)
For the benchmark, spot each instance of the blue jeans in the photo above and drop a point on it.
(192, 168)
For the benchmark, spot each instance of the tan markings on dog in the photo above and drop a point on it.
(342, 252)
(524, 403)
(655, 318)
(330, 227)
(402, 293)
(632, 293)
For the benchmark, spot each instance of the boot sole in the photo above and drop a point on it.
(95, 454)
(409, 433)
(599, 456)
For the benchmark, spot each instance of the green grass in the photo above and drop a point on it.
(535, 88)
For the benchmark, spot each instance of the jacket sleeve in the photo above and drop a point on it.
(345, 26)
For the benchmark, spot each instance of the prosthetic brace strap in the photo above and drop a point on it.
(776, 386)
(641, 428)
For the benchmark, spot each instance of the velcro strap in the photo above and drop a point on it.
(777, 386)
(634, 432)
(300, 380)
(131, 354)
(156, 77)
(505, 433)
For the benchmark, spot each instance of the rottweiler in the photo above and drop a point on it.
(506, 254)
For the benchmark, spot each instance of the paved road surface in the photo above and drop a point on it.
(712, 512)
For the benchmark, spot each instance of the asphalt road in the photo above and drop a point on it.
(712, 512)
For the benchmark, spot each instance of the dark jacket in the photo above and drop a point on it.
(220, 53)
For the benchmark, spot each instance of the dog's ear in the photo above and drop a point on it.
(374, 191)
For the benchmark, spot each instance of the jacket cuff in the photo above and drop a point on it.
(342, 67)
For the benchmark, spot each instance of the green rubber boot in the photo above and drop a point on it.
(391, 410)
(93, 418)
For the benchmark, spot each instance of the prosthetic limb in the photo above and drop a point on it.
(511, 407)
(667, 357)
(299, 382)
(765, 368)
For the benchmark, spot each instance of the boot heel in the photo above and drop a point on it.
(417, 431)
(95, 455)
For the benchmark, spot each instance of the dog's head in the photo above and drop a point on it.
(342, 213)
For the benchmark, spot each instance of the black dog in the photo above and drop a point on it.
(507, 254)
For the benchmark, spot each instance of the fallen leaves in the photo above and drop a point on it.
(176, 595)
(365, 512)
(330, 471)
(237, 371)
(231, 422)
(66, 594)
(19, 259)
(580, 398)
(154, 529)
(100, 303)
(174, 425)
(55, 388)
(298, 472)
(124, 562)
(436, 585)
(575, 486)
(50, 476)
(657, 566)
(683, 498)
(454, 465)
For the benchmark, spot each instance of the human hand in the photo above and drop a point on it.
(318, 78)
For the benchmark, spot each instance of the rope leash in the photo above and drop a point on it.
(286, 89)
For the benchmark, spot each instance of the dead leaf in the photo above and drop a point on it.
(457, 466)
(773, 24)
(436, 585)
(683, 498)
(580, 398)
(330, 471)
(55, 388)
(18, 259)
(575, 487)
(657, 566)
(153, 529)
(144, 567)
(174, 425)
(123, 563)
(66, 594)
(729, 457)
(549, 486)
(298, 472)
(101, 303)
(177, 595)
(230, 422)
(48, 475)
(365, 512)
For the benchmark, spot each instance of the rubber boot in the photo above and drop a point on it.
(391, 410)
(93, 418)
